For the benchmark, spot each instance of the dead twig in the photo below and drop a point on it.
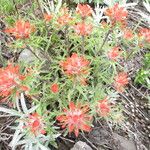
(63, 138)
(34, 53)
(92, 145)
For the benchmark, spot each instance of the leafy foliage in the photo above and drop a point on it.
(8, 6)
(143, 75)
(77, 72)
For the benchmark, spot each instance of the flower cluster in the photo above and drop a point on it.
(117, 14)
(128, 34)
(48, 17)
(10, 79)
(75, 118)
(145, 34)
(103, 107)
(21, 30)
(83, 29)
(35, 124)
(121, 80)
(84, 10)
(114, 53)
(75, 65)
(64, 19)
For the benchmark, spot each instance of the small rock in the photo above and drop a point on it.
(81, 146)
(99, 136)
(124, 143)
(26, 56)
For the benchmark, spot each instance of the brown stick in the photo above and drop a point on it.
(34, 53)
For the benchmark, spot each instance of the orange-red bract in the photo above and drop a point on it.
(21, 30)
(75, 65)
(10, 78)
(114, 53)
(145, 34)
(35, 124)
(84, 10)
(64, 20)
(121, 80)
(128, 34)
(54, 88)
(83, 29)
(48, 17)
(103, 107)
(117, 14)
(75, 118)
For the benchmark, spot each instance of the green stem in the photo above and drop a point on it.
(83, 44)
(130, 54)
(105, 39)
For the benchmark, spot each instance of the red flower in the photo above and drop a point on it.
(121, 80)
(55, 88)
(10, 78)
(21, 29)
(83, 29)
(114, 54)
(75, 65)
(145, 33)
(64, 20)
(84, 10)
(103, 107)
(48, 17)
(117, 14)
(75, 118)
(128, 34)
(35, 124)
